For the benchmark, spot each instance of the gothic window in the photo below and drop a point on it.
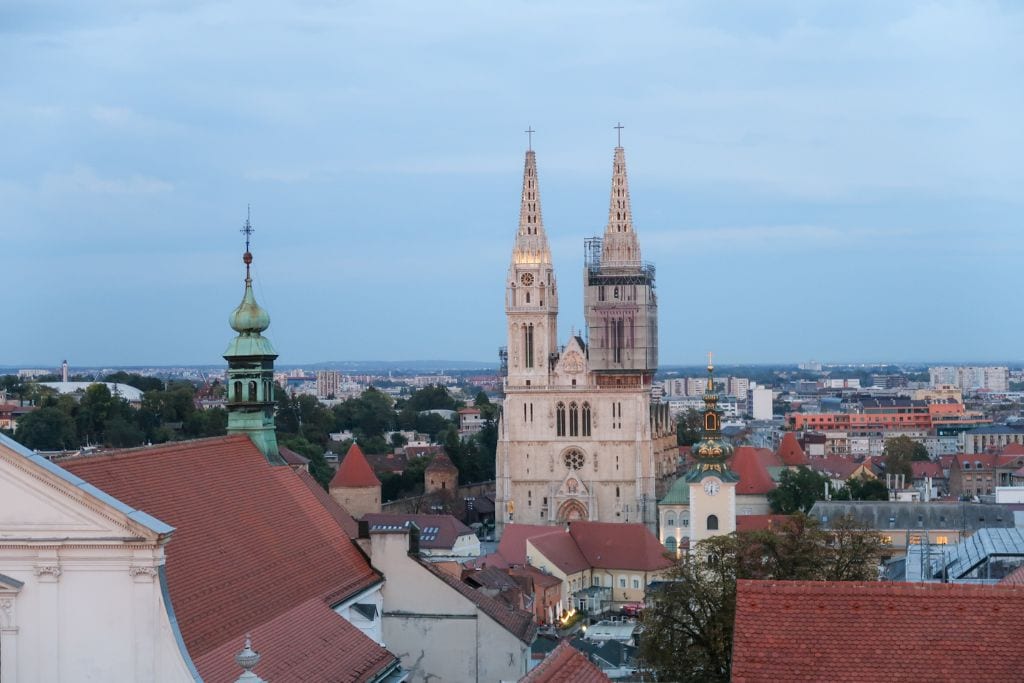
(527, 297)
(670, 520)
(620, 331)
(528, 344)
(252, 392)
(615, 292)
(560, 419)
(524, 412)
(586, 419)
(617, 492)
(238, 391)
(574, 459)
(574, 420)
(712, 522)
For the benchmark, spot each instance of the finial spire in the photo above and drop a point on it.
(618, 130)
(247, 659)
(247, 230)
(621, 247)
(531, 241)
(529, 137)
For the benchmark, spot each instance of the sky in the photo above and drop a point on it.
(839, 181)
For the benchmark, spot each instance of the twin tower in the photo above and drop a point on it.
(579, 436)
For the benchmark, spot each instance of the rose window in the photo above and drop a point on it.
(574, 459)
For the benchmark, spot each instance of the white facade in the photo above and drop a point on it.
(83, 594)
(761, 403)
(968, 378)
(578, 436)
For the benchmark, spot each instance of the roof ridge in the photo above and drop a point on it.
(151, 448)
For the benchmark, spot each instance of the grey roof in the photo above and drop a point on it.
(882, 515)
(138, 516)
(928, 563)
(10, 581)
(997, 429)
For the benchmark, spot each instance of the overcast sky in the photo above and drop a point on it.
(839, 181)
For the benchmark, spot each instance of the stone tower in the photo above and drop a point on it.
(441, 476)
(354, 486)
(621, 309)
(250, 380)
(712, 483)
(579, 440)
(531, 293)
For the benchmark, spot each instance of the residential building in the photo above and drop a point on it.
(920, 632)
(440, 536)
(971, 378)
(991, 437)
(579, 437)
(470, 421)
(978, 474)
(760, 402)
(328, 384)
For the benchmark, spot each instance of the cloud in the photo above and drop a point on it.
(83, 179)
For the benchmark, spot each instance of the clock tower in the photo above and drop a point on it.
(712, 483)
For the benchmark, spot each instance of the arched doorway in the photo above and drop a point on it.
(572, 510)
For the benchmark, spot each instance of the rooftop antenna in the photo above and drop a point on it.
(618, 130)
(529, 137)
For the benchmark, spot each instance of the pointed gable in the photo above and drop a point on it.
(754, 476)
(354, 471)
(565, 664)
(790, 451)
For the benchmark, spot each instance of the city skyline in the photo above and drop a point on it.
(841, 181)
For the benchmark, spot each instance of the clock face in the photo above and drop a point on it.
(526, 279)
(712, 487)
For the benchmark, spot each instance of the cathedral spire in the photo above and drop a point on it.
(620, 243)
(531, 240)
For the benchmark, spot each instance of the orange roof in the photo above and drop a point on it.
(790, 451)
(958, 632)
(754, 477)
(247, 533)
(512, 546)
(602, 545)
(354, 471)
(926, 468)
(1013, 449)
(565, 664)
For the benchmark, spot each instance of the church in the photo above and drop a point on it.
(579, 435)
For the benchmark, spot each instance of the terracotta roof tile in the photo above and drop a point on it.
(608, 545)
(565, 664)
(516, 621)
(759, 522)
(441, 463)
(926, 468)
(437, 532)
(354, 471)
(754, 476)
(307, 643)
(790, 451)
(512, 546)
(249, 535)
(559, 548)
(340, 514)
(949, 632)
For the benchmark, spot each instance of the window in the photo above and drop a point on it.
(574, 420)
(238, 391)
(586, 418)
(712, 522)
(636, 582)
(622, 582)
(617, 494)
(560, 419)
(670, 520)
(596, 581)
(574, 459)
(942, 540)
(252, 392)
(528, 345)
(670, 543)
(686, 519)
(887, 540)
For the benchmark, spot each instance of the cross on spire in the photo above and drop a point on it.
(618, 129)
(529, 137)
(247, 229)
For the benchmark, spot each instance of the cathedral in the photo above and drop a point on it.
(579, 435)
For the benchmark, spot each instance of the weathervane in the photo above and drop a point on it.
(247, 229)
(618, 129)
(529, 137)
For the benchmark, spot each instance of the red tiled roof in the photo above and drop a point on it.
(448, 528)
(538, 577)
(512, 546)
(988, 460)
(307, 643)
(834, 465)
(1013, 449)
(759, 522)
(516, 621)
(608, 545)
(754, 477)
(340, 514)
(443, 463)
(560, 548)
(926, 468)
(565, 664)
(252, 540)
(1014, 578)
(293, 458)
(949, 632)
(354, 471)
(790, 451)
(766, 457)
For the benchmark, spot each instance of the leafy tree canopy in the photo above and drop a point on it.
(797, 491)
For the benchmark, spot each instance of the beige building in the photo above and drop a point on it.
(444, 629)
(579, 437)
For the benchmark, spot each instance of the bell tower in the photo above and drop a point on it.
(250, 377)
(531, 293)
(620, 306)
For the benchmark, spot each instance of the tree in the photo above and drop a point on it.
(899, 452)
(797, 491)
(318, 466)
(867, 488)
(690, 427)
(688, 625)
(47, 429)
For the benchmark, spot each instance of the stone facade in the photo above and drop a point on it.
(579, 437)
